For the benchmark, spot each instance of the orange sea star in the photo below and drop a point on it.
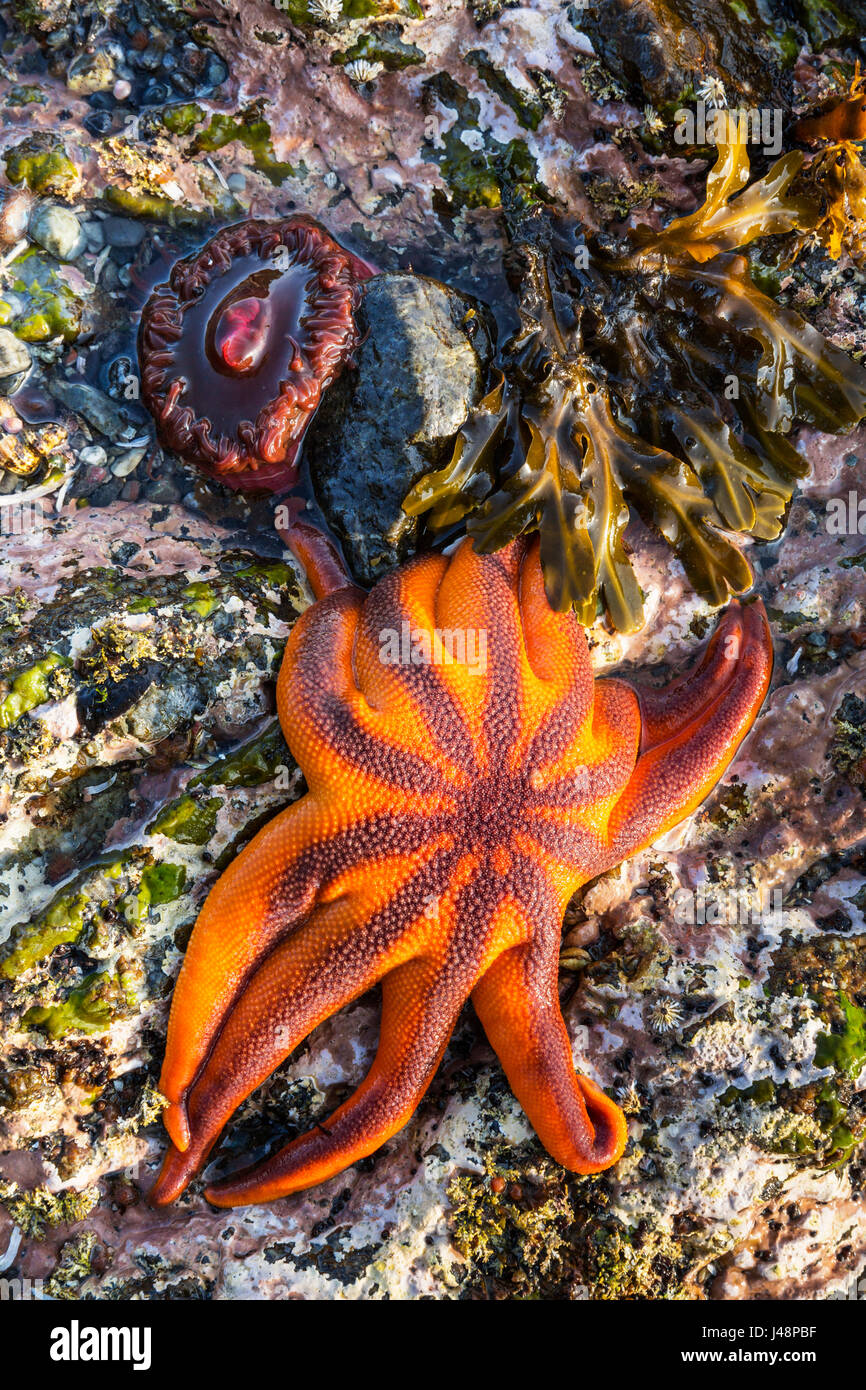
(466, 776)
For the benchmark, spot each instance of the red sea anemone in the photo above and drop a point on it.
(238, 346)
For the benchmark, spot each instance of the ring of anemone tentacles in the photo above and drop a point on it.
(237, 347)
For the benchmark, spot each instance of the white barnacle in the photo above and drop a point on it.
(325, 11)
(362, 70)
(665, 1015)
(712, 92)
(629, 1098)
(652, 121)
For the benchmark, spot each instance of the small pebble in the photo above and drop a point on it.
(93, 454)
(92, 72)
(121, 89)
(127, 463)
(57, 230)
(14, 355)
(96, 408)
(94, 236)
(122, 231)
(236, 182)
(15, 207)
(163, 490)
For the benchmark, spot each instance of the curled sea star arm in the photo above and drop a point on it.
(691, 732)
(518, 1005)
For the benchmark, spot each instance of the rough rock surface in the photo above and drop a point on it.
(142, 615)
(393, 416)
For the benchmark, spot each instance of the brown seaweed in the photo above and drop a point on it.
(835, 175)
(649, 371)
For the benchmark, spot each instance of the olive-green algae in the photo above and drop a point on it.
(42, 164)
(91, 1007)
(50, 308)
(188, 821)
(61, 925)
(846, 1050)
(163, 883)
(249, 129)
(201, 598)
(73, 1266)
(47, 679)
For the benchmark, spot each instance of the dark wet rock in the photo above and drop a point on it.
(385, 423)
(122, 231)
(97, 409)
(664, 49)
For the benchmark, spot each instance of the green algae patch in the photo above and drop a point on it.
(62, 924)
(386, 47)
(254, 133)
(182, 119)
(73, 1267)
(91, 1007)
(139, 203)
(50, 308)
(250, 766)
(41, 163)
(187, 821)
(33, 687)
(845, 1051)
(762, 1092)
(201, 598)
(164, 883)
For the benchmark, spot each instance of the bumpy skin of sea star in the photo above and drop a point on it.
(452, 811)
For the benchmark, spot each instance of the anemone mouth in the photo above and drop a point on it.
(238, 346)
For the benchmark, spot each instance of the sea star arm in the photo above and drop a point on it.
(419, 1010)
(274, 883)
(518, 1005)
(691, 731)
(326, 964)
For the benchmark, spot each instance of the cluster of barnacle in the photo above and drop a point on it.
(649, 371)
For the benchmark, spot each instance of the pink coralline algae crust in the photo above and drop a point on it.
(237, 347)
